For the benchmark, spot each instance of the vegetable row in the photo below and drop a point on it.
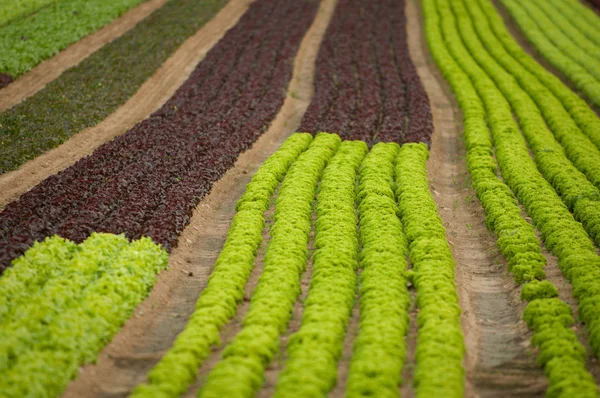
(561, 354)
(379, 351)
(366, 86)
(147, 181)
(26, 42)
(553, 44)
(62, 302)
(218, 302)
(575, 172)
(314, 350)
(440, 343)
(240, 371)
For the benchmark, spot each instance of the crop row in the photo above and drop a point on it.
(366, 86)
(26, 42)
(440, 342)
(580, 68)
(579, 16)
(379, 350)
(240, 371)
(515, 85)
(218, 302)
(10, 10)
(147, 181)
(561, 354)
(62, 303)
(65, 106)
(313, 352)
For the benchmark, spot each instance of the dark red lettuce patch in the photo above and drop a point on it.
(366, 86)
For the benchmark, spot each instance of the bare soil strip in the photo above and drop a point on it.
(150, 97)
(37, 78)
(499, 360)
(157, 321)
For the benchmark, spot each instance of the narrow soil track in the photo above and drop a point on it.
(158, 320)
(37, 78)
(499, 360)
(150, 97)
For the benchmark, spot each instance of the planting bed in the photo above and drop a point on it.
(366, 86)
(331, 198)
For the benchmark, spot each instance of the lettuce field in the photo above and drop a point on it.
(299, 198)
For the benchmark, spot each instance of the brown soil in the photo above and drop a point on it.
(37, 78)
(150, 97)
(150, 332)
(499, 361)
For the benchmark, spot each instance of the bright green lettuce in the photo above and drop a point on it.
(14, 9)
(440, 342)
(544, 313)
(313, 352)
(379, 350)
(75, 313)
(218, 302)
(581, 69)
(240, 372)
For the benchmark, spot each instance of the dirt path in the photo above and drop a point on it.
(157, 321)
(499, 361)
(150, 97)
(37, 78)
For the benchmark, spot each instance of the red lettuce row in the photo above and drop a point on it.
(561, 354)
(148, 181)
(380, 349)
(91, 290)
(581, 195)
(218, 302)
(366, 86)
(240, 372)
(313, 352)
(440, 342)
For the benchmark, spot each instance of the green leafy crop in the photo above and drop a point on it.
(380, 349)
(483, 106)
(78, 297)
(240, 371)
(11, 10)
(440, 342)
(313, 351)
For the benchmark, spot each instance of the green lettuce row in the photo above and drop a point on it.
(240, 372)
(313, 352)
(585, 14)
(527, 10)
(218, 302)
(379, 350)
(572, 11)
(480, 162)
(564, 237)
(570, 30)
(68, 323)
(440, 343)
(30, 272)
(586, 118)
(28, 41)
(581, 77)
(11, 9)
(571, 184)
